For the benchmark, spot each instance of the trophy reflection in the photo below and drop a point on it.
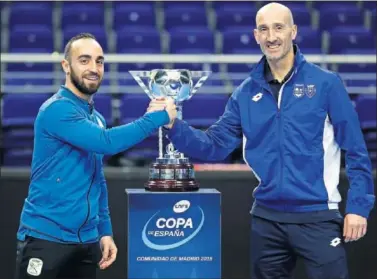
(172, 171)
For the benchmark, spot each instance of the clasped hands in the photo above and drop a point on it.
(167, 104)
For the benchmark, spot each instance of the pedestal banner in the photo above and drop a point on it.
(174, 234)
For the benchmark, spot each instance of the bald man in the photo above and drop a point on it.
(65, 229)
(293, 118)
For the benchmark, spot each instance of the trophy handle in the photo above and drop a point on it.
(138, 75)
(204, 75)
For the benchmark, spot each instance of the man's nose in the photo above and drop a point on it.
(271, 36)
(93, 67)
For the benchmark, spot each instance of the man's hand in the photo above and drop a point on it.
(157, 104)
(109, 252)
(355, 227)
(164, 104)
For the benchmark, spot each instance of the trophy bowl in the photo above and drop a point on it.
(176, 84)
(172, 171)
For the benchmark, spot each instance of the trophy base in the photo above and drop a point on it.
(172, 175)
(171, 186)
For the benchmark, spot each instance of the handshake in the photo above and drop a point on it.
(167, 104)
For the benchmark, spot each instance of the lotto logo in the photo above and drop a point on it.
(35, 267)
(335, 242)
(257, 97)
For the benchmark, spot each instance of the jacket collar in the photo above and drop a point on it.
(269, 77)
(67, 93)
(258, 71)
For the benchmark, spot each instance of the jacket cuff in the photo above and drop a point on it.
(105, 228)
(159, 118)
(175, 130)
(360, 205)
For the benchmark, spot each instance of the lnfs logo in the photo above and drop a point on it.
(173, 227)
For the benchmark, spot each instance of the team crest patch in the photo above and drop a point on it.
(310, 90)
(298, 90)
(35, 267)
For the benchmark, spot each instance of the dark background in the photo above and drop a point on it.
(236, 189)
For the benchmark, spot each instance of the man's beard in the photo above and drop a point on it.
(80, 85)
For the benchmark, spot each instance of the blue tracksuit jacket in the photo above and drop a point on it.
(293, 144)
(67, 200)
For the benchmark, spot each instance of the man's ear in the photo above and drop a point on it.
(65, 66)
(256, 35)
(294, 32)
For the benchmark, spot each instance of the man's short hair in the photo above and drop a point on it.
(68, 46)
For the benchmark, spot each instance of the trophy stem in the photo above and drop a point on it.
(160, 143)
(179, 110)
(179, 116)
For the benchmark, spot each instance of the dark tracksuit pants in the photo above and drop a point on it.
(42, 259)
(276, 246)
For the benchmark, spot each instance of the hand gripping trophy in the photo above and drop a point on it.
(172, 172)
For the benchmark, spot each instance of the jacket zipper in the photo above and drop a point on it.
(87, 198)
(280, 119)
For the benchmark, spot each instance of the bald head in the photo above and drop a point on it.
(275, 31)
(276, 11)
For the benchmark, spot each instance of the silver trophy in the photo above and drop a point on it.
(171, 171)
